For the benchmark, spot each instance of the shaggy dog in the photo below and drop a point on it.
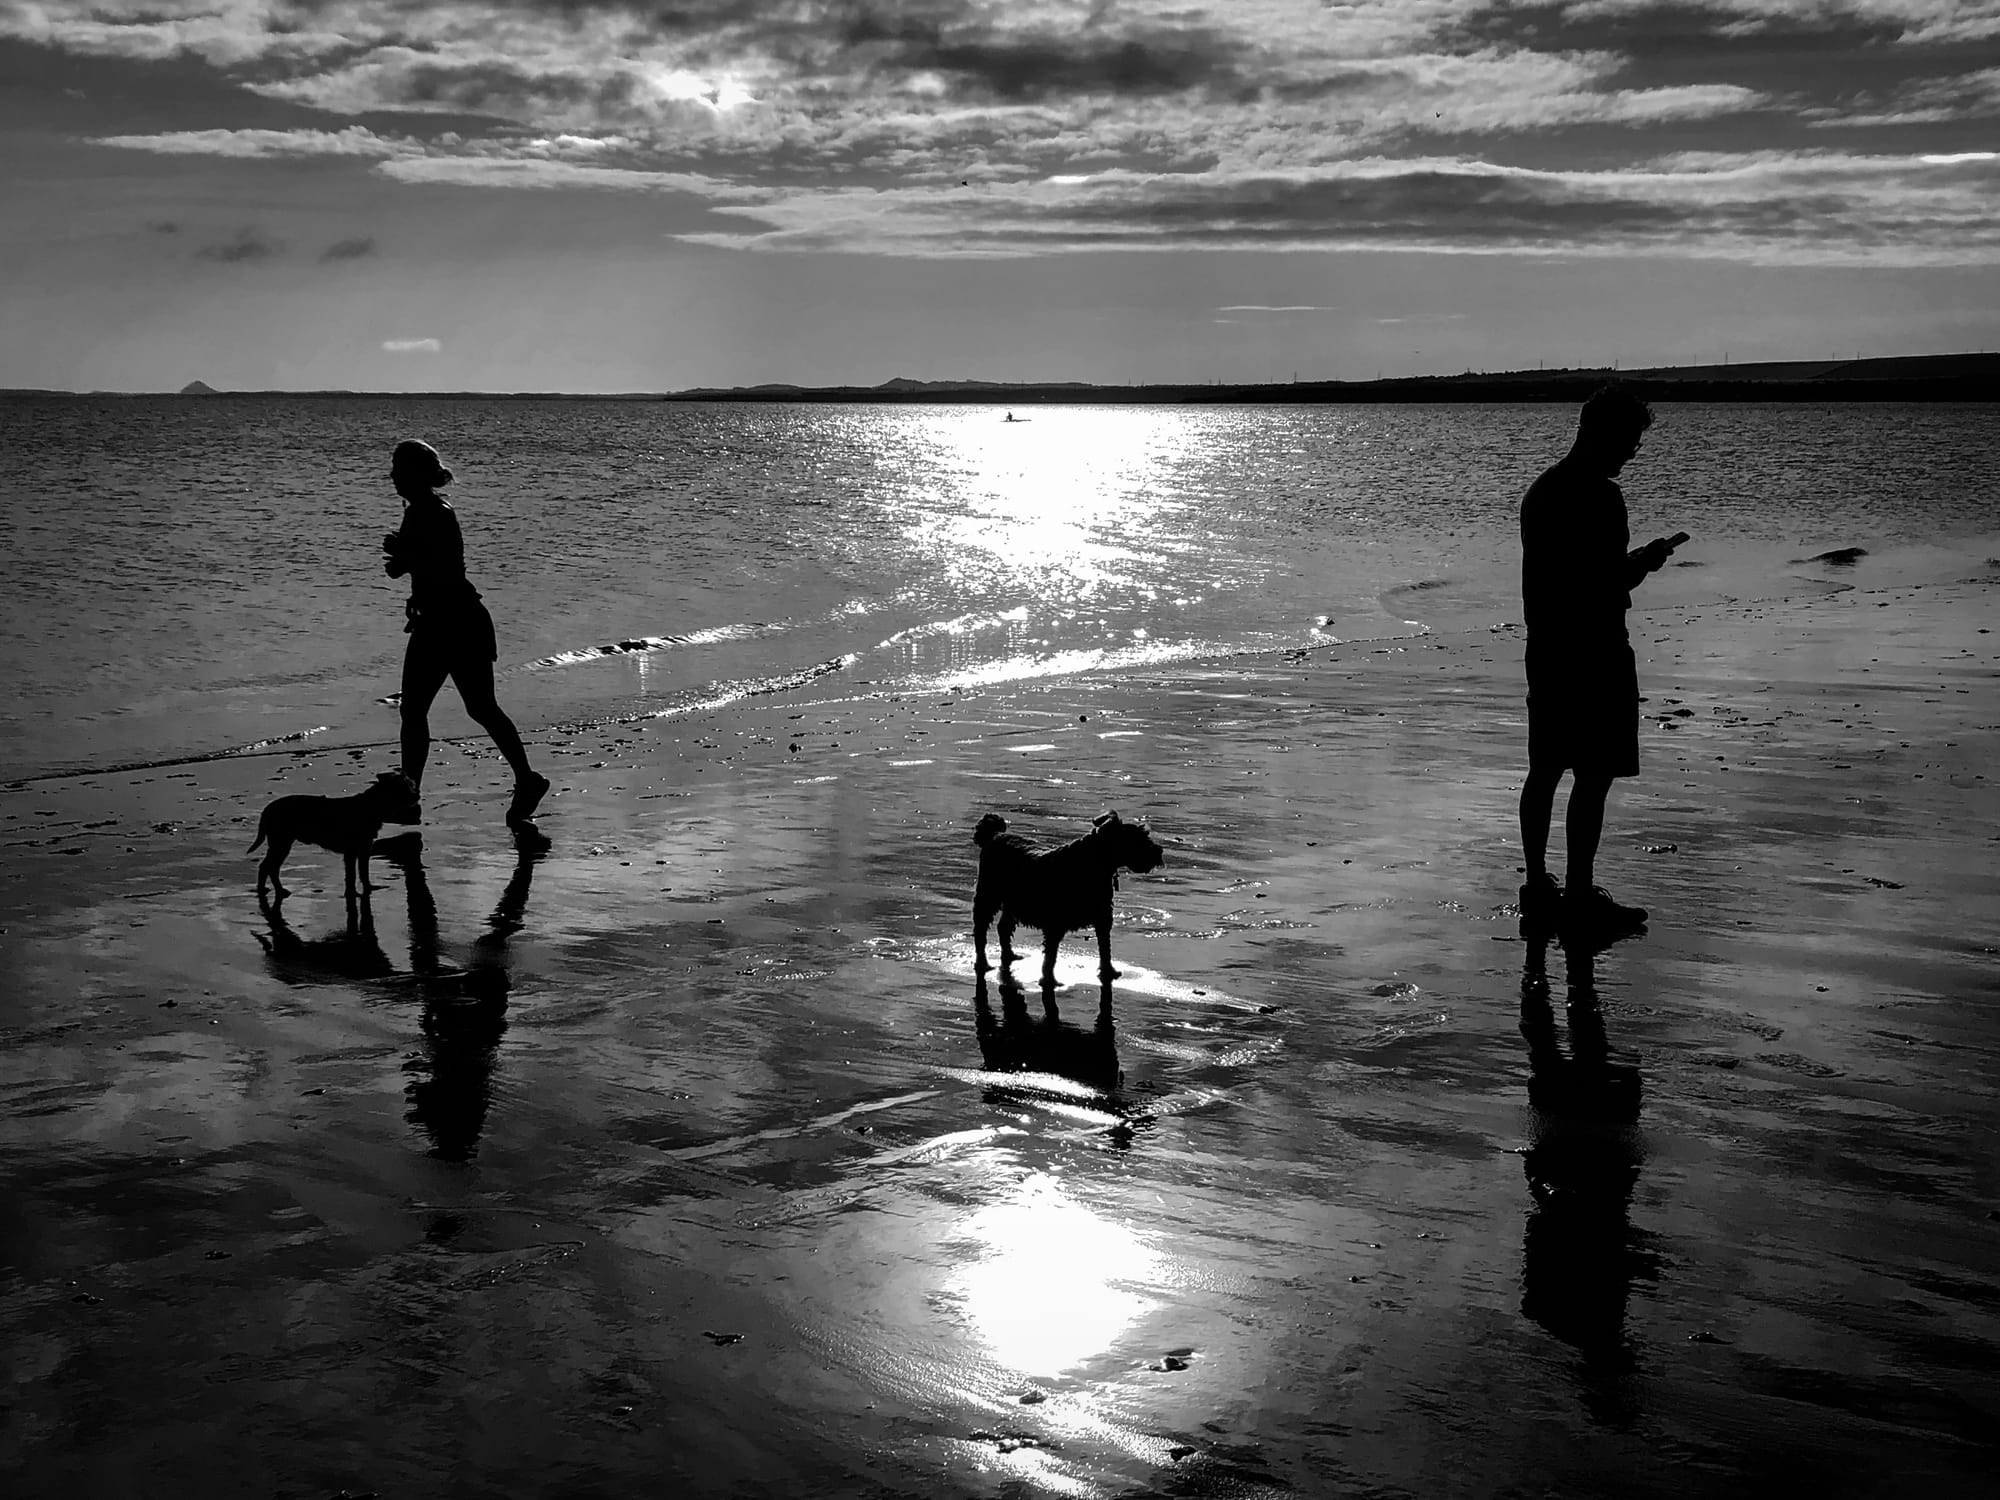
(345, 825)
(1058, 891)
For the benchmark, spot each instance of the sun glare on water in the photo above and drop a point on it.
(1065, 498)
(1047, 1283)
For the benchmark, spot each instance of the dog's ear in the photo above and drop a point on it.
(1106, 821)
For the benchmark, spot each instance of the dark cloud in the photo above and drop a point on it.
(246, 245)
(1817, 57)
(1802, 209)
(1445, 206)
(1016, 68)
(163, 226)
(358, 248)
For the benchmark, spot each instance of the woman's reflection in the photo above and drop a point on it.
(465, 1009)
(1580, 1250)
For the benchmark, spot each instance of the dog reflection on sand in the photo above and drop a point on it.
(1014, 1041)
(1058, 891)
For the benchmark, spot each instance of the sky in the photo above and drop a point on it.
(592, 196)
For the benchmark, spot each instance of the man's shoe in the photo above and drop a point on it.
(1541, 899)
(1592, 912)
(528, 794)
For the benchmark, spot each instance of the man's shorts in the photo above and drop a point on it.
(1583, 712)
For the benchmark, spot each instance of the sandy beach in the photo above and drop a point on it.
(688, 1152)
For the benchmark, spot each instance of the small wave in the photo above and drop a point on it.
(1070, 663)
(962, 625)
(640, 645)
(722, 695)
(1422, 585)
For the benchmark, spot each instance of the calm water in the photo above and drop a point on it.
(192, 575)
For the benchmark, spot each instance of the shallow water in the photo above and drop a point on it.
(195, 575)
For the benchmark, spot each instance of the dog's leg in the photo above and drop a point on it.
(982, 918)
(347, 862)
(268, 870)
(1104, 969)
(1051, 940)
(1007, 953)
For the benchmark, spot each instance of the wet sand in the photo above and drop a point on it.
(689, 1152)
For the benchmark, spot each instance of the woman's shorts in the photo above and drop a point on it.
(465, 635)
(1583, 713)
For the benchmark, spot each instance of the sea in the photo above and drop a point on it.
(200, 576)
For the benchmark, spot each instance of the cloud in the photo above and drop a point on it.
(1971, 97)
(492, 170)
(1820, 207)
(969, 127)
(413, 346)
(358, 248)
(265, 144)
(246, 244)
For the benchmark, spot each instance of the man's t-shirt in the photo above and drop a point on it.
(1576, 575)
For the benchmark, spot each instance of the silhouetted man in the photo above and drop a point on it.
(1583, 685)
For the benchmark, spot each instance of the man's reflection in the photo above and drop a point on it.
(1580, 1249)
(465, 1009)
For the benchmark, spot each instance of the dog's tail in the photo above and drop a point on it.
(990, 827)
(263, 819)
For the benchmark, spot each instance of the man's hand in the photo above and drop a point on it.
(1655, 553)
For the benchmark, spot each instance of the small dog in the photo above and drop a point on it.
(1058, 890)
(346, 825)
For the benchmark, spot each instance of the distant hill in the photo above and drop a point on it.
(1920, 377)
(1914, 377)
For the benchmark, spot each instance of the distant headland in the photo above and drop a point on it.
(1913, 377)
(1919, 377)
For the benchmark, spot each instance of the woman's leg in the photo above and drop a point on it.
(424, 671)
(474, 679)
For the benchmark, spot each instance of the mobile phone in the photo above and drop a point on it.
(1676, 539)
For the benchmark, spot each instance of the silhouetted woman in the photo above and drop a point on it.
(451, 634)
